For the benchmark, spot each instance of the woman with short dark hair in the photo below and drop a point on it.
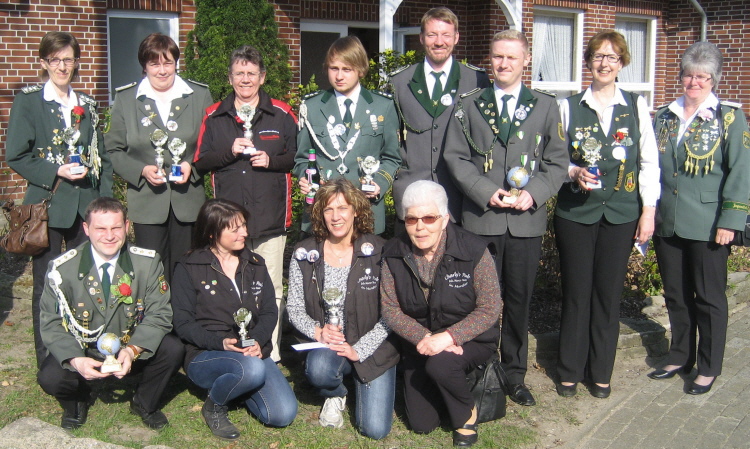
(225, 312)
(705, 160)
(333, 300)
(152, 137)
(54, 137)
(248, 142)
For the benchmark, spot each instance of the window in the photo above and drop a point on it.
(125, 31)
(407, 38)
(556, 51)
(640, 35)
(316, 37)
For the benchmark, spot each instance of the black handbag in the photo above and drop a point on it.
(742, 238)
(489, 385)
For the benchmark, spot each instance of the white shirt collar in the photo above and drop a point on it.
(516, 91)
(446, 69)
(50, 94)
(179, 88)
(99, 260)
(678, 106)
(617, 98)
(354, 96)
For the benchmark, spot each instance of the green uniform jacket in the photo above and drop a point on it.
(129, 145)
(618, 199)
(29, 142)
(693, 205)
(538, 135)
(83, 293)
(378, 123)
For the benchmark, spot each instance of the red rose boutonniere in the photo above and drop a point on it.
(619, 136)
(77, 114)
(122, 290)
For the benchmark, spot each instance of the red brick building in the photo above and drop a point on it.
(658, 31)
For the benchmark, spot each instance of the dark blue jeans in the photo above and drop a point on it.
(228, 375)
(325, 370)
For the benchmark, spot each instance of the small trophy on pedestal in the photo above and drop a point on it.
(592, 154)
(369, 166)
(517, 177)
(177, 149)
(109, 345)
(246, 113)
(334, 301)
(71, 135)
(159, 138)
(243, 317)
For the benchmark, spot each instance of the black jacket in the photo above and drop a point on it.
(362, 303)
(452, 296)
(265, 192)
(204, 301)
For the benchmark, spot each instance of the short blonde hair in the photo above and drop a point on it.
(512, 35)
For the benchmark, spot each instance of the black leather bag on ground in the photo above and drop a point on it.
(489, 384)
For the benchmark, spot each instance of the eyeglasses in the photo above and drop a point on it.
(427, 219)
(610, 58)
(54, 62)
(700, 78)
(241, 75)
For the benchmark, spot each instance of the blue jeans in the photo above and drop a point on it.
(325, 370)
(228, 375)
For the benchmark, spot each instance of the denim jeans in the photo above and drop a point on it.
(325, 370)
(258, 382)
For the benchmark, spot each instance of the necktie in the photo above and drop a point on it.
(106, 282)
(437, 91)
(348, 113)
(505, 119)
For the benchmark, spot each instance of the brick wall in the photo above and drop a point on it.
(24, 22)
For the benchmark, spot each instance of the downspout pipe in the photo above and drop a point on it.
(704, 19)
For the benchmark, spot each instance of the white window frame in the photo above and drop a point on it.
(399, 37)
(174, 32)
(646, 88)
(577, 16)
(324, 27)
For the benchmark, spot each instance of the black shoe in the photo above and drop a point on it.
(155, 420)
(600, 392)
(664, 374)
(520, 394)
(216, 417)
(461, 440)
(74, 414)
(696, 389)
(566, 391)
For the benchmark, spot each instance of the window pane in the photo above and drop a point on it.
(552, 55)
(125, 35)
(636, 35)
(313, 51)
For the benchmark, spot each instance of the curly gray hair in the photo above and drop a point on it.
(703, 57)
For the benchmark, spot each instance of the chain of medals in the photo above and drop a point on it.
(81, 334)
(305, 122)
(701, 141)
(487, 154)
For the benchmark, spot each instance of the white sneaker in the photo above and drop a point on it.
(331, 415)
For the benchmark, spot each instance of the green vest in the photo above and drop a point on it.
(618, 199)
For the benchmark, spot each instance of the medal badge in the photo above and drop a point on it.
(367, 249)
(446, 100)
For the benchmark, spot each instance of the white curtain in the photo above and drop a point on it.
(636, 36)
(552, 55)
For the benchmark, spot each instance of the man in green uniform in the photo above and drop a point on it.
(104, 286)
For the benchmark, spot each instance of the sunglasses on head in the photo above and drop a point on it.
(427, 219)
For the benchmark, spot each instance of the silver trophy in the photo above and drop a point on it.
(159, 138)
(246, 113)
(369, 166)
(177, 149)
(71, 135)
(334, 301)
(242, 317)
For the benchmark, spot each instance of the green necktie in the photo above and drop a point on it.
(106, 282)
(437, 91)
(505, 119)
(348, 113)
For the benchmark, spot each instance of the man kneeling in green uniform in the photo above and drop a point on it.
(106, 286)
